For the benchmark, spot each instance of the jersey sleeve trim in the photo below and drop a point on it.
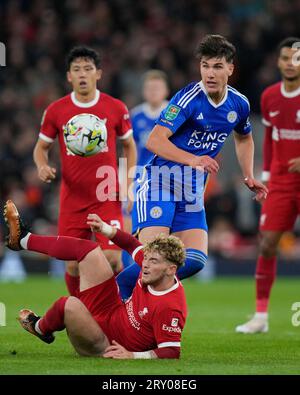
(42, 136)
(136, 251)
(169, 344)
(126, 135)
(265, 175)
(189, 95)
(265, 122)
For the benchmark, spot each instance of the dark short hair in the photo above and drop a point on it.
(288, 42)
(215, 46)
(83, 52)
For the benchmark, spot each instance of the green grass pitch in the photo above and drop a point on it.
(210, 345)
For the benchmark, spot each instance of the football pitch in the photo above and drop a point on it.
(209, 344)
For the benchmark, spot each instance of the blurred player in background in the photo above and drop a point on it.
(81, 176)
(280, 107)
(98, 323)
(143, 116)
(188, 134)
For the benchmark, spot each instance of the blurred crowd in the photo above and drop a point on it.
(132, 36)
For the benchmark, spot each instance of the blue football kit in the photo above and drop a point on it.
(170, 194)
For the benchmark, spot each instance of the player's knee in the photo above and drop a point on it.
(72, 305)
(115, 260)
(268, 247)
(72, 268)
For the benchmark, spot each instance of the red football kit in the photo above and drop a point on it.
(149, 319)
(86, 180)
(281, 116)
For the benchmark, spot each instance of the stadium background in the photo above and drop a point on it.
(132, 38)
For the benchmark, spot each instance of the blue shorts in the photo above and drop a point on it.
(177, 215)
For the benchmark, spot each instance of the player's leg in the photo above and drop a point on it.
(84, 333)
(272, 228)
(73, 226)
(191, 228)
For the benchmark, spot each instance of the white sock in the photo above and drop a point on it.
(261, 316)
(37, 328)
(24, 241)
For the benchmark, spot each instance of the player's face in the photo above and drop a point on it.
(155, 91)
(215, 73)
(83, 76)
(155, 269)
(289, 64)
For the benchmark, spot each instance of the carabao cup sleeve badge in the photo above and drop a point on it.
(172, 112)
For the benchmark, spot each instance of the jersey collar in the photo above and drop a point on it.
(88, 104)
(153, 114)
(289, 95)
(166, 291)
(209, 98)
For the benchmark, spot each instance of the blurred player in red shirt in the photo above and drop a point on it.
(148, 325)
(280, 106)
(84, 179)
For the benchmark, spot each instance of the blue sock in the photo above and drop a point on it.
(127, 279)
(126, 259)
(194, 262)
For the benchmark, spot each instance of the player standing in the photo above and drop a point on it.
(188, 134)
(280, 107)
(83, 177)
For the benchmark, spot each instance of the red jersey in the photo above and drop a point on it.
(81, 176)
(281, 116)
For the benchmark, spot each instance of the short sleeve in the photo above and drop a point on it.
(124, 128)
(168, 327)
(48, 130)
(179, 109)
(264, 110)
(244, 126)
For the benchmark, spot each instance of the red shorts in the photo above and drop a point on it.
(74, 224)
(104, 303)
(280, 210)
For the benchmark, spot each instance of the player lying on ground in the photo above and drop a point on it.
(98, 323)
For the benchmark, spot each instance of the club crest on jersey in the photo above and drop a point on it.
(143, 312)
(231, 116)
(174, 322)
(172, 112)
(156, 212)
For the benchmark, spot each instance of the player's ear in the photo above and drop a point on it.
(230, 68)
(99, 74)
(69, 78)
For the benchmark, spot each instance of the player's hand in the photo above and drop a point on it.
(46, 173)
(294, 165)
(257, 187)
(95, 223)
(206, 163)
(116, 351)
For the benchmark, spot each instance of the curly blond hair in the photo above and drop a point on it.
(170, 248)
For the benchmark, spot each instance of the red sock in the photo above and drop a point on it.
(61, 247)
(53, 320)
(265, 276)
(73, 283)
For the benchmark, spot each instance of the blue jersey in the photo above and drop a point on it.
(174, 198)
(199, 125)
(143, 121)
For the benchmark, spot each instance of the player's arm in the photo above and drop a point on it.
(159, 143)
(267, 155)
(244, 147)
(116, 351)
(41, 158)
(122, 239)
(129, 152)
